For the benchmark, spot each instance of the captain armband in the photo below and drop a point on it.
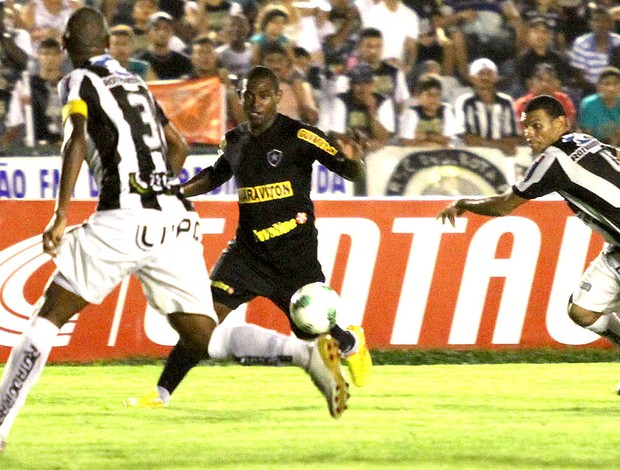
(75, 107)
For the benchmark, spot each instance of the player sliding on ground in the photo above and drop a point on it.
(586, 173)
(274, 252)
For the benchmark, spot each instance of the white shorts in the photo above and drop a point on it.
(599, 287)
(164, 250)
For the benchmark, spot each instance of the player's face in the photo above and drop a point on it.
(541, 130)
(260, 103)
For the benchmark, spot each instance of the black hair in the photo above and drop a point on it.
(370, 33)
(263, 73)
(299, 51)
(50, 43)
(428, 82)
(270, 15)
(547, 103)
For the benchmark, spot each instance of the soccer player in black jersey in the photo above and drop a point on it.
(274, 252)
(586, 173)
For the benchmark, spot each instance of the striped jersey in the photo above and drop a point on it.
(494, 121)
(586, 173)
(125, 125)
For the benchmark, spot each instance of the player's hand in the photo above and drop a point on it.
(354, 145)
(53, 233)
(451, 212)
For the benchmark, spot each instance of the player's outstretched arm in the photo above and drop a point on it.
(208, 179)
(494, 206)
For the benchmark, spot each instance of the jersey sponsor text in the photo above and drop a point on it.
(317, 141)
(276, 230)
(266, 192)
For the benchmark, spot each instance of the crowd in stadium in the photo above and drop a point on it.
(401, 72)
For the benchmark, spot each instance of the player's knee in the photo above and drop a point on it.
(582, 316)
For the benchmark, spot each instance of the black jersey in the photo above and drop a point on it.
(274, 175)
(586, 173)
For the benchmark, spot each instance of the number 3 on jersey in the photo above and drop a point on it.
(149, 134)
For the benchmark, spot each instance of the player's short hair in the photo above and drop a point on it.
(122, 30)
(263, 73)
(428, 82)
(548, 103)
(370, 33)
(86, 31)
(270, 15)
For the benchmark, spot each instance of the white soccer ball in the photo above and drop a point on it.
(314, 308)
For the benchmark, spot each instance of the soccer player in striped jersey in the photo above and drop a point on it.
(142, 225)
(586, 173)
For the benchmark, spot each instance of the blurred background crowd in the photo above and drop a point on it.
(401, 72)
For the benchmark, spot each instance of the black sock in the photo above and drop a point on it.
(178, 364)
(345, 338)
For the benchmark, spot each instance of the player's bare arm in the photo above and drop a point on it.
(73, 151)
(177, 148)
(494, 206)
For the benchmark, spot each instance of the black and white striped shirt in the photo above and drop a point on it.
(586, 173)
(494, 121)
(125, 125)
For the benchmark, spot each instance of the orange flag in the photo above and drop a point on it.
(195, 107)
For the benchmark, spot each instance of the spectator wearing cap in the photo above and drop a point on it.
(599, 114)
(362, 110)
(539, 50)
(297, 100)
(122, 49)
(545, 81)
(591, 51)
(485, 116)
(165, 62)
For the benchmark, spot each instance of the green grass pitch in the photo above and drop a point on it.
(482, 416)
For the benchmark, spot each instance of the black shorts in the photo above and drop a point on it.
(242, 274)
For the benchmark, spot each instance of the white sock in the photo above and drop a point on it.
(163, 394)
(608, 326)
(23, 369)
(253, 341)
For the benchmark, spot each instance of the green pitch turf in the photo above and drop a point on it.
(485, 416)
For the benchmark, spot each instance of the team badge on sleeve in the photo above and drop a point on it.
(274, 157)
